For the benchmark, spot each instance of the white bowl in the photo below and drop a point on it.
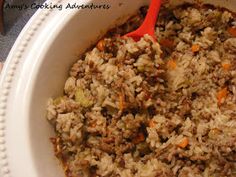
(36, 69)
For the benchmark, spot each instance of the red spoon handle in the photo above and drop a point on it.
(150, 20)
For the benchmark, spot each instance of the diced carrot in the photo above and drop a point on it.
(167, 43)
(147, 94)
(109, 131)
(93, 124)
(139, 138)
(121, 101)
(184, 142)
(226, 66)
(152, 123)
(222, 94)
(232, 31)
(195, 48)
(101, 45)
(171, 64)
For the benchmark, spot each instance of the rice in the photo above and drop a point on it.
(147, 108)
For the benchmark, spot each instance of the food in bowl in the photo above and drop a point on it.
(148, 108)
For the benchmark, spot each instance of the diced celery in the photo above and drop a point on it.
(82, 97)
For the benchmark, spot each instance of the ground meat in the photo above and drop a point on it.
(153, 108)
(230, 45)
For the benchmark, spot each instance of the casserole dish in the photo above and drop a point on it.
(31, 75)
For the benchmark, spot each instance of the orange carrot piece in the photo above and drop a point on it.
(93, 124)
(195, 48)
(232, 31)
(222, 94)
(167, 43)
(139, 138)
(171, 64)
(226, 66)
(151, 123)
(121, 101)
(184, 142)
(101, 45)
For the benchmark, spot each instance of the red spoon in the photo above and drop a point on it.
(148, 26)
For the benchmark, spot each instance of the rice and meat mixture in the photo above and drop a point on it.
(148, 109)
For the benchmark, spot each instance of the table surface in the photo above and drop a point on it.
(14, 21)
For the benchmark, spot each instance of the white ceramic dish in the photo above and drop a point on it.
(36, 69)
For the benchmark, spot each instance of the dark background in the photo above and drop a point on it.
(14, 21)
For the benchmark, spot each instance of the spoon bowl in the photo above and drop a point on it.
(148, 25)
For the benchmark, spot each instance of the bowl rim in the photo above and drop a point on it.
(9, 72)
(11, 69)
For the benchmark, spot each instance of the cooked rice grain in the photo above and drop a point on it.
(144, 110)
